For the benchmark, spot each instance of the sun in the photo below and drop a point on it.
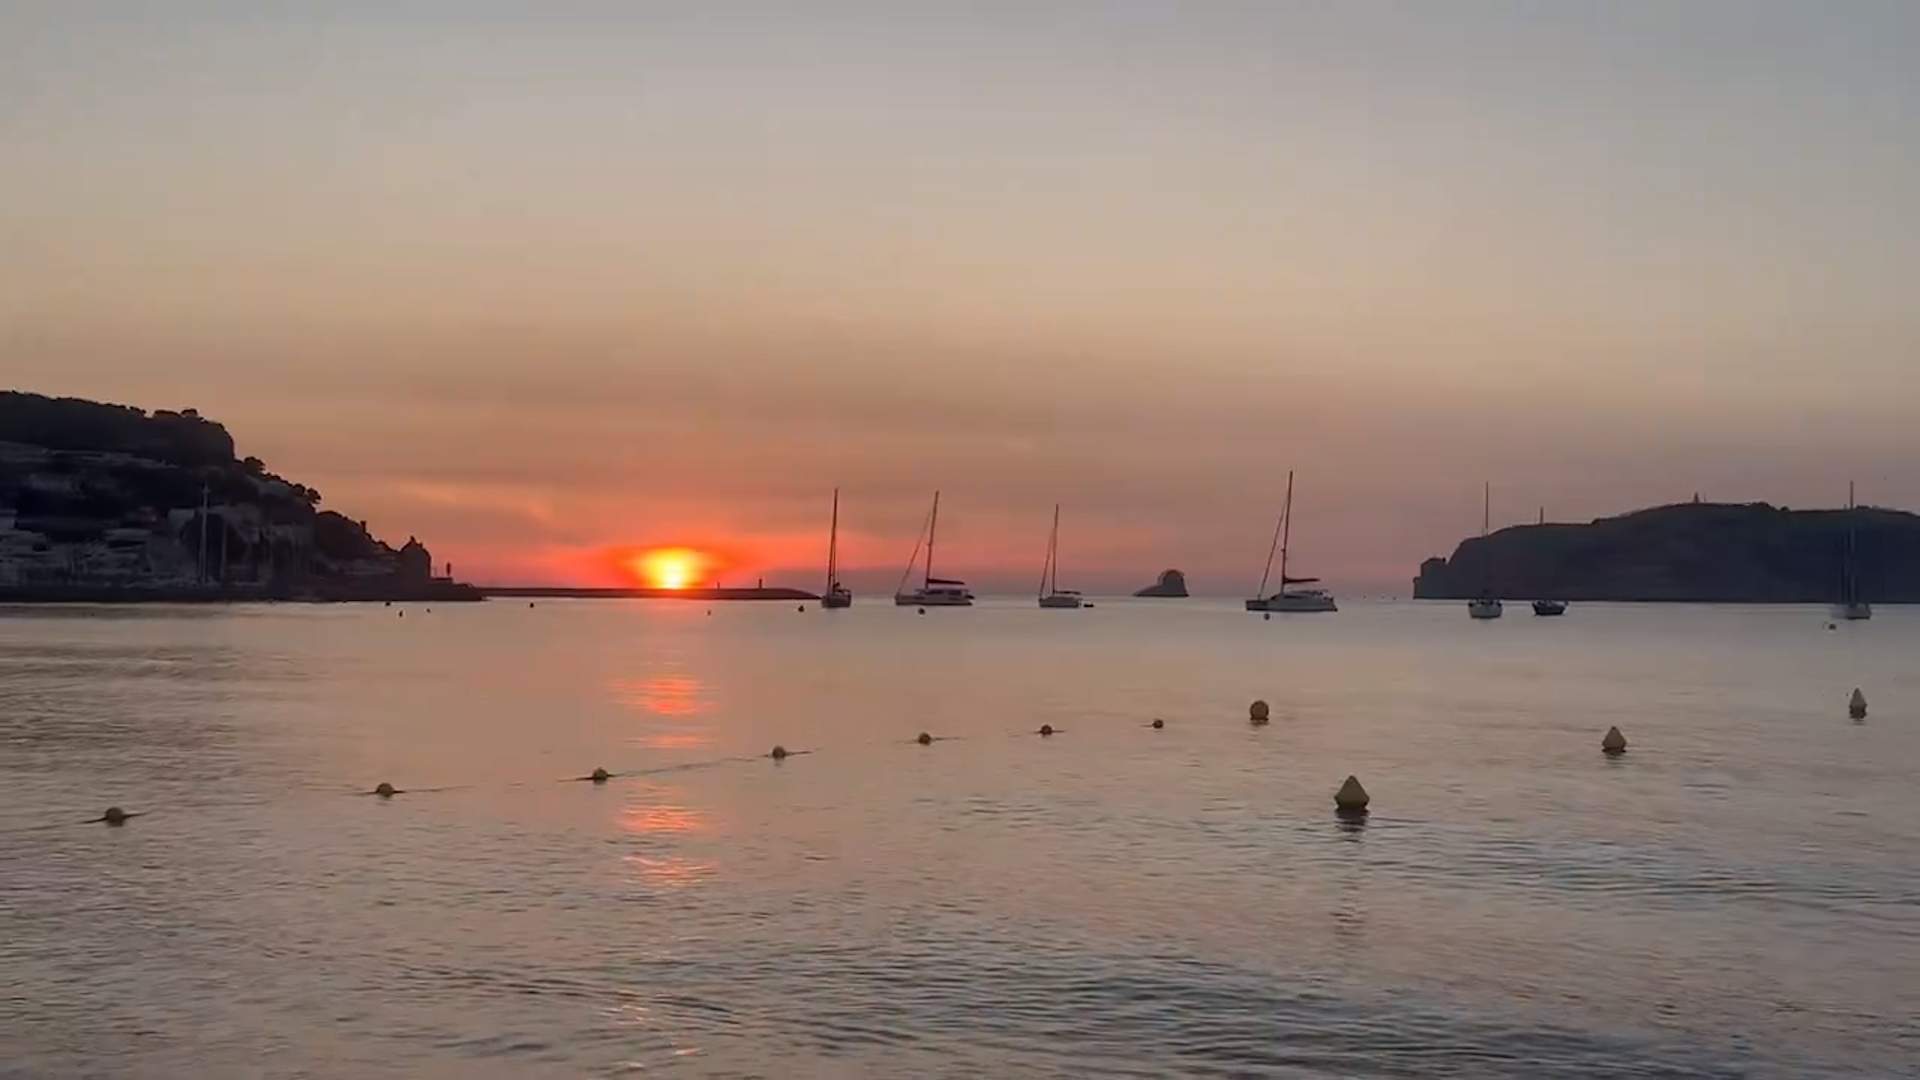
(669, 568)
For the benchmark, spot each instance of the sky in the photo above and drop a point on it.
(544, 283)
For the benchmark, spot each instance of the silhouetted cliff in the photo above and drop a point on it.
(1696, 551)
(108, 501)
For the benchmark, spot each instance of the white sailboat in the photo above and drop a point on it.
(1288, 599)
(1051, 594)
(1486, 605)
(836, 595)
(1851, 607)
(933, 591)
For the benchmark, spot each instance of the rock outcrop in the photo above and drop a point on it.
(1172, 583)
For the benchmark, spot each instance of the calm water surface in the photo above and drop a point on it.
(1738, 896)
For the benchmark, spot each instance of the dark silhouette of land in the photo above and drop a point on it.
(645, 593)
(1721, 552)
(1172, 583)
(111, 503)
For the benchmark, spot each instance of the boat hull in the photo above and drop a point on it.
(1294, 604)
(1485, 609)
(1853, 612)
(1549, 607)
(932, 600)
(1060, 601)
(834, 600)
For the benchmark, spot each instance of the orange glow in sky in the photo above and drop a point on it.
(670, 568)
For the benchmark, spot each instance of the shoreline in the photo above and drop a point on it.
(645, 593)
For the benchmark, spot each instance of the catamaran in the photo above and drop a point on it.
(1486, 605)
(836, 594)
(933, 591)
(1051, 594)
(1288, 599)
(1851, 607)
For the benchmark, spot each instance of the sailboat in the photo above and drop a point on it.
(1051, 595)
(933, 591)
(836, 595)
(1486, 605)
(1288, 599)
(1851, 607)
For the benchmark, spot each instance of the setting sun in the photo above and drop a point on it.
(670, 568)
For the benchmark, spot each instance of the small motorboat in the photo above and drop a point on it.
(1549, 607)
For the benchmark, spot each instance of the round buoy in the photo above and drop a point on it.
(1613, 742)
(529, 603)
(802, 609)
(923, 611)
(1266, 616)
(1158, 723)
(778, 753)
(1257, 713)
(924, 739)
(1351, 798)
(1046, 729)
(115, 816)
(1857, 705)
(600, 776)
(385, 790)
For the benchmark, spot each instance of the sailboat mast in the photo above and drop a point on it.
(833, 543)
(1271, 548)
(1053, 552)
(1852, 583)
(1286, 531)
(933, 523)
(1486, 506)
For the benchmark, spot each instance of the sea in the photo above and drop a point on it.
(1738, 895)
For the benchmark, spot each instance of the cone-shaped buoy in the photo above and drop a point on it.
(385, 790)
(1857, 705)
(1046, 729)
(802, 609)
(1158, 723)
(1257, 713)
(1351, 797)
(599, 776)
(1613, 742)
(924, 739)
(778, 753)
(115, 816)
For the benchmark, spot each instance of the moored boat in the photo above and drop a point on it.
(836, 594)
(1051, 594)
(933, 591)
(1288, 599)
